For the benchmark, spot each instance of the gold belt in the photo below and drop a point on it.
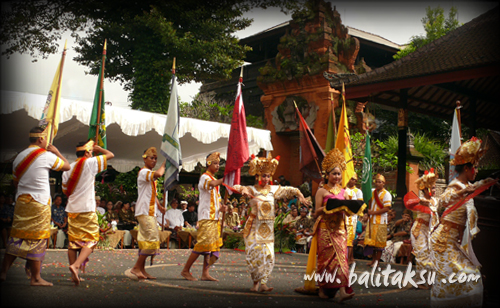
(447, 225)
(422, 221)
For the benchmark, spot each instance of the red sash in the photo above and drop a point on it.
(26, 163)
(475, 193)
(74, 177)
(377, 200)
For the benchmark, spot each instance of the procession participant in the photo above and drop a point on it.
(31, 224)
(427, 218)
(451, 251)
(209, 208)
(329, 234)
(259, 228)
(376, 231)
(353, 193)
(190, 216)
(148, 236)
(232, 218)
(78, 185)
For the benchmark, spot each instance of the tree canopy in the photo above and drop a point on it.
(435, 26)
(143, 37)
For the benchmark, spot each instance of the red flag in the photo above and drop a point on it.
(237, 148)
(311, 154)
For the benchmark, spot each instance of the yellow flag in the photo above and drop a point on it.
(50, 116)
(344, 143)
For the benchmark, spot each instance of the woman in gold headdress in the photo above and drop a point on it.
(259, 228)
(450, 243)
(427, 218)
(330, 239)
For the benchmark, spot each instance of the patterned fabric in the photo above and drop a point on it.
(232, 220)
(148, 236)
(451, 253)
(126, 217)
(83, 230)
(208, 238)
(420, 236)
(112, 215)
(30, 229)
(58, 214)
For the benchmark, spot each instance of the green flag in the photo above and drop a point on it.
(366, 180)
(97, 123)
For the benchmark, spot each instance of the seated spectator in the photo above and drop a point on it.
(232, 219)
(127, 218)
(292, 217)
(242, 210)
(60, 220)
(184, 205)
(402, 229)
(303, 229)
(111, 215)
(98, 207)
(6, 217)
(283, 181)
(358, 243)
(173, 218)
(102, 203)
(190, 216)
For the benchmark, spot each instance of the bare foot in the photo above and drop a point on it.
(264, 288)
(208, 278)
(74, 275)
(40, 282)
(343, 296)
(255, 287)
(322, 294)
(188, 276)
(138, 274)
(147, 275)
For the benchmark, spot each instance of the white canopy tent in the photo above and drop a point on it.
(129, 132)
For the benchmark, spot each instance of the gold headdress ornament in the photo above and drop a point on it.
(380, 177)
(261, 165)
(86, 147)
(355, 175)
(150, 152)
(333, 159)
(427, 180)
(469, 152)
(214, 157)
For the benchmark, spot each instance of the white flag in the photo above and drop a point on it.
(455, 143)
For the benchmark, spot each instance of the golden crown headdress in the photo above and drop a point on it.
(86, 147)
(214, 157)
(469, 152)
(38, 135)
(333, 159)
(261, 165)
(150, 152)
(427, 180)
(379, 177)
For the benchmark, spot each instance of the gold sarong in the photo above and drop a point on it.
(148, 236)
(83, 230)
(208, 238)
(376, 235)
(30, 229)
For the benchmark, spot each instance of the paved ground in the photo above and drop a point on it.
(107, 284)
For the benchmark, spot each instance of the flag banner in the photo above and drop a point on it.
(171, 146)
(311, 154)
(237, 148)
(455, 143)
(366, 177)
(97, 123)
(50, 116)
(344, 145)
(330, 134)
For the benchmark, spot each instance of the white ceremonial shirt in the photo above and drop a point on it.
(82, 199)
(35, 179)
(174, 217)
(386, 199)
(146, 186)
(208, 207)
